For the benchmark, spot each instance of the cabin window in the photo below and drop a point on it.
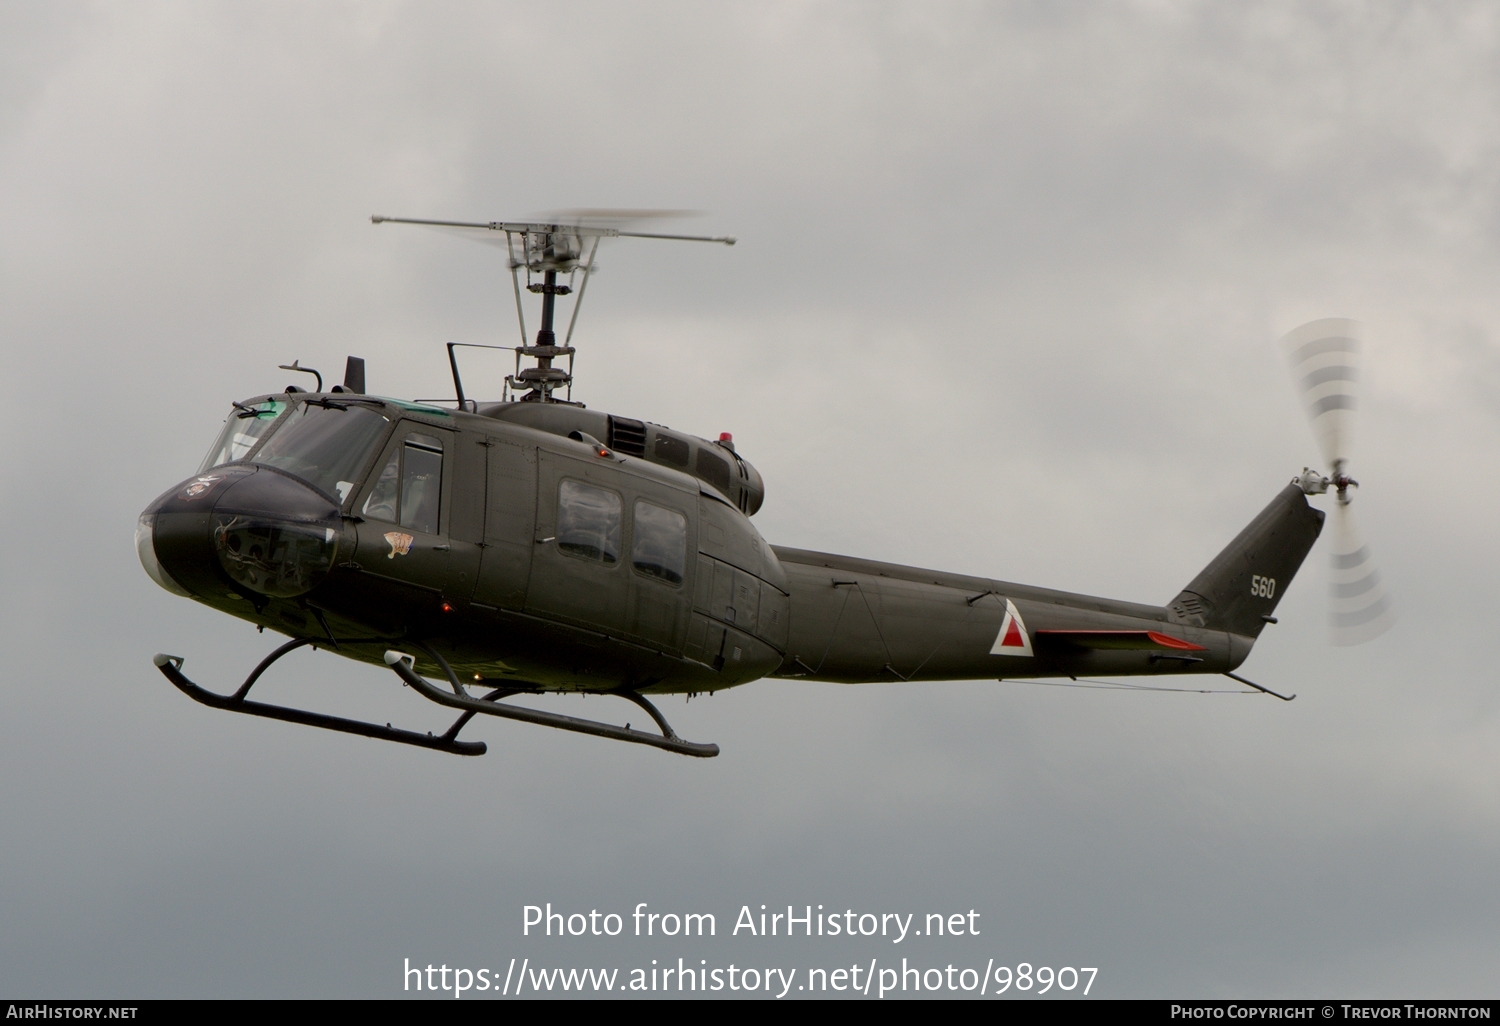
(659, 546)
(588, 522)
(242, 430)
(410, 486)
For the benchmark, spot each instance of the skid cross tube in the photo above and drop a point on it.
(489, 706)
(171, 668)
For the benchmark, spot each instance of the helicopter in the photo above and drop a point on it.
(483, 550)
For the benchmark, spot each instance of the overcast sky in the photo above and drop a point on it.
(1004, 302)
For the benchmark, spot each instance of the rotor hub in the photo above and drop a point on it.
(551, 249)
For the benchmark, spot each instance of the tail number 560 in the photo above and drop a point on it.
(1263, 587)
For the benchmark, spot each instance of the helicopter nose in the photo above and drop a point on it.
(241, 528)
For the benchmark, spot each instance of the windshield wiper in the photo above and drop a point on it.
(341, 403)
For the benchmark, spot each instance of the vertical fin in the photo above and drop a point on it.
(1243, 584)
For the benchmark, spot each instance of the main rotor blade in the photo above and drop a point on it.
(1359, 608)
(550, 228)
(470, 232)
(528, 227)
(728, 240)
(1324, 357)
(618, 216)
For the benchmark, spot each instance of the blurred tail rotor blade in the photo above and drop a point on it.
(1359, 608)
(1324, 356)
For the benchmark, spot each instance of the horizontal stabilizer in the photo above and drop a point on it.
(1136, 641)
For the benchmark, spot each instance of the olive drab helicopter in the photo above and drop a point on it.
(483, 550)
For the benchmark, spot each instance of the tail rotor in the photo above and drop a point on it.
(1324, 358)
(1359, 608)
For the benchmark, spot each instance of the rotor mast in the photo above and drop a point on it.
(551, 250)
(544, 377)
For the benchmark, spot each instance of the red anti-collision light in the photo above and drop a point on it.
(725, 436)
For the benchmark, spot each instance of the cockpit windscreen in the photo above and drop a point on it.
(242, 430)
(325, 444)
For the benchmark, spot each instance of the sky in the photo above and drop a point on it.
(1004, 302)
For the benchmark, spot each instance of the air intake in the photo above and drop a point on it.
(627, 436)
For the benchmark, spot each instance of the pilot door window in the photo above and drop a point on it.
(588, 522)
(659, 546)
(410, 487)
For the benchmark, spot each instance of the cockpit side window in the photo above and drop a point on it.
(410, 486)
(421, 482)
(381, 505)
(245, 426)
(325, 444)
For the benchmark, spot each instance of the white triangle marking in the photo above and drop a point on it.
(1012, 620)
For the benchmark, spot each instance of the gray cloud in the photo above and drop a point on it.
(1004, 302)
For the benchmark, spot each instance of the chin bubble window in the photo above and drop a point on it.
(659, 546)
(409, 489)
(588, 522)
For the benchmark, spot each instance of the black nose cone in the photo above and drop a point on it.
(243, 528)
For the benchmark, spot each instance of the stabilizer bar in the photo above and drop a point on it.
(460, 699)
(171, 668)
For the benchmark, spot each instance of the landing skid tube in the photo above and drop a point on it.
(171, 668)
(490, 706)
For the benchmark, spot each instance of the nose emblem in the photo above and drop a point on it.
(400, 543)
(200, 485)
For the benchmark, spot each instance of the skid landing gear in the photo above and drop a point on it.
(488, 705)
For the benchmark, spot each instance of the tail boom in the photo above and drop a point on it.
(861, 621)
(857, 621)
